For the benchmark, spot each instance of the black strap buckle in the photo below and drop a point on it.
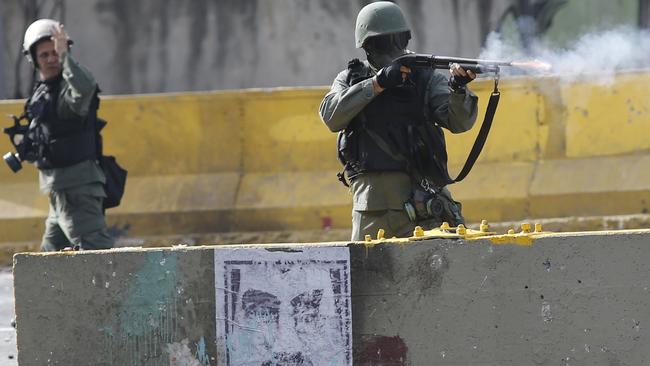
(341, 177)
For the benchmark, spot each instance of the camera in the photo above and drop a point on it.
(13, 160)
(19, 136)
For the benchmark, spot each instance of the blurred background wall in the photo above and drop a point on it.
(148, 46)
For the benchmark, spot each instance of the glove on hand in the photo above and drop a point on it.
(390, 76)
(458, 82)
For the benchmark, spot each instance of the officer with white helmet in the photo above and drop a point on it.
(64, 129)
(389, 121)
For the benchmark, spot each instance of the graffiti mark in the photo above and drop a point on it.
(546, 312)
(430, 271)
(483, 282)
(382, 351)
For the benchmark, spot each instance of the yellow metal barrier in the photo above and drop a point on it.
(262, 159)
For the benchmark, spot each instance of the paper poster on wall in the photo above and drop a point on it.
(283, 306)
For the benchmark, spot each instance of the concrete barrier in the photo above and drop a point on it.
(262, 160)
(576, 298)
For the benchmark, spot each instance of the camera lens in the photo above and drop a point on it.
(13, 161)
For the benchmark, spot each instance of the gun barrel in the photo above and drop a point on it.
(420, 60)
(445, 61)
(480, 68)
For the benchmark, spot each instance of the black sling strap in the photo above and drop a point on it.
(481, 138)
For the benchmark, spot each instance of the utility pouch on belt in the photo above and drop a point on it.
(115, 181)
(438, 206)
(115, 174)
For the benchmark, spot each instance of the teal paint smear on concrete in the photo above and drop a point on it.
(147, 319)
(153, 292)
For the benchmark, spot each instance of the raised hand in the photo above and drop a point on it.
(60, 39)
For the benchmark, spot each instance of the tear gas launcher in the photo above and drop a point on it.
(478, 66)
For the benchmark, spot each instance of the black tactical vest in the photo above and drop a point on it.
(392, 132)
(61, 142)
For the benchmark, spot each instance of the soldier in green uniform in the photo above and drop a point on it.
(63, 113)
(389, 120)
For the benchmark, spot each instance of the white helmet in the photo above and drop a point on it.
(36, 32)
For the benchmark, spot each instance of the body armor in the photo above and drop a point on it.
(59, 143)
(392, 133)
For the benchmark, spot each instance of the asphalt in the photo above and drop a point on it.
(8, 352)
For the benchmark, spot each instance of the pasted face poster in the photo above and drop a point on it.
(283, 306)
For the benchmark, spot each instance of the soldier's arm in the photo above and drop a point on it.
(342, 103)
(451, 110)
(79, 90)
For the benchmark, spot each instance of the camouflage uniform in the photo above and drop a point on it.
(378, 197)
(76, 216)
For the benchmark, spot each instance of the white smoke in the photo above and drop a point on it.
(599, 55)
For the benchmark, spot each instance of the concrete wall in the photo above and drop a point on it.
(171, 45)
(555, 300)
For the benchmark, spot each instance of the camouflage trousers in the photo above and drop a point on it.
(396, 223)
(76, 219)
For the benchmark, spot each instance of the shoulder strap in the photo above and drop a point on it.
(482, 134)
(475, 152)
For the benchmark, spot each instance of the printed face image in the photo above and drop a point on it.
(286, 309)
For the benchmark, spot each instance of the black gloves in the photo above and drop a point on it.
(457, 82)
(390, 76)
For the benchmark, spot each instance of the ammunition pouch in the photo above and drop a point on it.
(348, 155)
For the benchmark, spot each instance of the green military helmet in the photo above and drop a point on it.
(378, 18)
